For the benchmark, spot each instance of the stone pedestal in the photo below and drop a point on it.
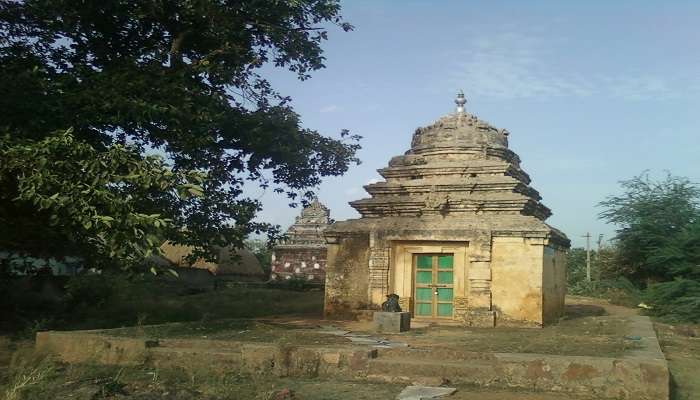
(392, 322)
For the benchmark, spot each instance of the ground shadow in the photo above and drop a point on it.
(574, 311)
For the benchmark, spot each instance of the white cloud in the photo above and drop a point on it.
(329, 108)
(513, 64)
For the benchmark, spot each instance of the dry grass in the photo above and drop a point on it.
(682, 351)
(26, 370)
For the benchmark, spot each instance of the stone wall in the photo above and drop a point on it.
(300, 263)
(347, 277)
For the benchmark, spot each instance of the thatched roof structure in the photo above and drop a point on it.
(241, 262)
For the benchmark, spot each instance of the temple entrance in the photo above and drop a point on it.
(434, 285)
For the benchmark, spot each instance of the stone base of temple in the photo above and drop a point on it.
(480, 318)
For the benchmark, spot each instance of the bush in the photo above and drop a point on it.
(618, 291)
(677, 301)
(89, 289)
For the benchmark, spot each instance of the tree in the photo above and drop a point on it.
(659, 242)
(650, 215)
(575, 266)
(126, 123)
(262, 250)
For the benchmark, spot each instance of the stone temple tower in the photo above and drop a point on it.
(303, 254)
(455, 230)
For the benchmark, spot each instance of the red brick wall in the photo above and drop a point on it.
(302, 263)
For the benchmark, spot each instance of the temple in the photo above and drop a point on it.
(302, 255)
(455, 230)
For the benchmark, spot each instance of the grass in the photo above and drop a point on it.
(110, 382)
(589, 336)
(93, 382)
(165, 310)
(113, 302)
(246, 330)
(163, 306)
(682, 352)
(584, 332)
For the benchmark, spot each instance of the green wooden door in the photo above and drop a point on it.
(434, 285)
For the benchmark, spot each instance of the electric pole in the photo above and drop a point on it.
(588, 256)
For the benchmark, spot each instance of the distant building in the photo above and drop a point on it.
(232, 264)
(303, 254)
(20, 264)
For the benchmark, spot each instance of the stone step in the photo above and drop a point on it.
(406, 370)
(198, 344)
(434, 354)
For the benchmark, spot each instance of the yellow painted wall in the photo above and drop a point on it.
(516, 286)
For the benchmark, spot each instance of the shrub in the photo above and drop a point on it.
(89, 289)
(677, 300)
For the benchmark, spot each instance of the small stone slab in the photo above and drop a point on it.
(392, 322)
(424, 392)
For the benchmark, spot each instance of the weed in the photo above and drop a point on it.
(27, 372)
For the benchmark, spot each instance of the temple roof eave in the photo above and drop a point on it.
(497, 225)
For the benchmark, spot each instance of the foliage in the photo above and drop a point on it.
(575, 266)
(26, 373)
(93, 301)
(263, 252)
(109, 202)
(617, 291)
(650, 214)
(658, 243)
(127, 123)
(88, 289)
(677, 300)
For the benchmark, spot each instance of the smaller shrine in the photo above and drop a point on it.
(302, 255)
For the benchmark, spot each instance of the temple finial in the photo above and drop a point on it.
(460, 101)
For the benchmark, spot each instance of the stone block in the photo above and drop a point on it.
(392, 322)
(480, 318)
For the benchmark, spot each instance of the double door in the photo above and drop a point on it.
(434, 285)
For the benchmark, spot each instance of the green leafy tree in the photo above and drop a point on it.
(659, 243)
(650, 216)
(575, 266)
(263, 252)
(125, 123)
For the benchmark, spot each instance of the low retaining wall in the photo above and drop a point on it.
(209, 356)
(642, 374)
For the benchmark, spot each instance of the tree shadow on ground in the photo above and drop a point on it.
(574, 311)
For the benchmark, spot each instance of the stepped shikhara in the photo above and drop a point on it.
(455, 230)
(303, 254)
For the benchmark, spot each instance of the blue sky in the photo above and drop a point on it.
(592, 92)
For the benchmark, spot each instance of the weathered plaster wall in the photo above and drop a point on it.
(554, 283)
(347, 277)
(516, 286)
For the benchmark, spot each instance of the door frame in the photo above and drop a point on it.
(401, 272)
